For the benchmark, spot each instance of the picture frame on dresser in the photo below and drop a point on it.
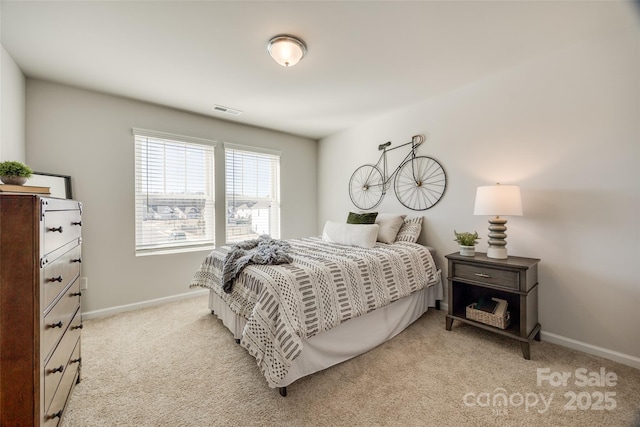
(60, 185)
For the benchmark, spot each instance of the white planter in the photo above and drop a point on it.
(467, 250)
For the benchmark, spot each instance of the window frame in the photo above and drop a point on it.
(176, 246)
(278, 189)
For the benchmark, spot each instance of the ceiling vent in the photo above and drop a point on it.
(226, 110)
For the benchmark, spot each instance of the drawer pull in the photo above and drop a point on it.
(56, 325)
(77, 327)
(78, 360)
(58, 369)
(54, 229)
(77, 260)
(76, 294)
(56, 279)
(56, 415)
(486, 276)
(77, 223)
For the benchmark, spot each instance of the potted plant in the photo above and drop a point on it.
(14, 173)
(467, 242)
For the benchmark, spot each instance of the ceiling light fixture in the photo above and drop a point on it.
(286, 50)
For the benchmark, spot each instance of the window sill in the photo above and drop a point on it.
(174, 250)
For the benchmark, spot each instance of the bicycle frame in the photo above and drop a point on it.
(418, 181)
(383, 158)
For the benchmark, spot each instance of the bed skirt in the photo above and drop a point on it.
(349, 339)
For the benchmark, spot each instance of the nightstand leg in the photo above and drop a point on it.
(449, 323)
(526, 350)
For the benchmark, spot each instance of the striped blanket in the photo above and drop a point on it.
(325, 285)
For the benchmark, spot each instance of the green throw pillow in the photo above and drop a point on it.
(362, 218)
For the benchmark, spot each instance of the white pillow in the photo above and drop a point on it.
(363, 235)
(389, 226)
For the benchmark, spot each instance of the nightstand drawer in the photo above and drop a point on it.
(490, 276)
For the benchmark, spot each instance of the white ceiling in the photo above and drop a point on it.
(365, 58)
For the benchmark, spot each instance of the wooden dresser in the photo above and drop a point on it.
(40, 318)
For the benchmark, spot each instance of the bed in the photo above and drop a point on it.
(334, 301)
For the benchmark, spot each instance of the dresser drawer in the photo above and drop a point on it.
(58, 319)
(490, 276)
(51, 417)
(60, 227)
(58, 274)
(61, 360)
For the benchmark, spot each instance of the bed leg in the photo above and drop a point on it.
(213, 312)
(282, 391)
(237, 341)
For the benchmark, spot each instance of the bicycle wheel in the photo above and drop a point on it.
(366, 187)
(420, 183)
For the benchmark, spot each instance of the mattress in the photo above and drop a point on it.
(348, 339)
(277, 310)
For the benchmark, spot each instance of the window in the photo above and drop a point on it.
(174, 192)
(253, 192)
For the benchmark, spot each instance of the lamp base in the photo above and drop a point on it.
(497, 243)
(497, 253)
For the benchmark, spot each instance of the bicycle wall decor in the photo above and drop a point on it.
(420, 181)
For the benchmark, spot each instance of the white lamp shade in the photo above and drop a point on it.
(498, 200)
(286, 50)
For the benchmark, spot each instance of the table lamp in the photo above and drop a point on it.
(498, 200)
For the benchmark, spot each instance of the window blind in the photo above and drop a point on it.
(252, 193)
(174, 192)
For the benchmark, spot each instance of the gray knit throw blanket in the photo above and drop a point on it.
(263, 250)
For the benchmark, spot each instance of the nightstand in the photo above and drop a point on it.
(514, 279)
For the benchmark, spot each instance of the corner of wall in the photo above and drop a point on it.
(12, 109)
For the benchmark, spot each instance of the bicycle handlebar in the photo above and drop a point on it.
(415, 141)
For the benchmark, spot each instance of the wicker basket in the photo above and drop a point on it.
(488, 318)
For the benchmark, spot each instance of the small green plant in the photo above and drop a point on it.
(465, 238)
(11, 168)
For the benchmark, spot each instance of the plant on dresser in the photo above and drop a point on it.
(40, 317)
(15, 173)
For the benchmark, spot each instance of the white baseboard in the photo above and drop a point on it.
(625, 359)
(138, 305)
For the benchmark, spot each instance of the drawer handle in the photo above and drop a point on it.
(56, 279)
(58, 369)
(54, 229)
(77, 223)
(56, 415)
(77, 327)
(56, 325)
(486, 276)
(77, 260)
(78, 360)
(76, 294)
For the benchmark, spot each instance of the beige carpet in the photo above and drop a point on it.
(176, 365)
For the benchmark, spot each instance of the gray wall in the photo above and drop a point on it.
(12, 109)
(88, 135)
(564, 128)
